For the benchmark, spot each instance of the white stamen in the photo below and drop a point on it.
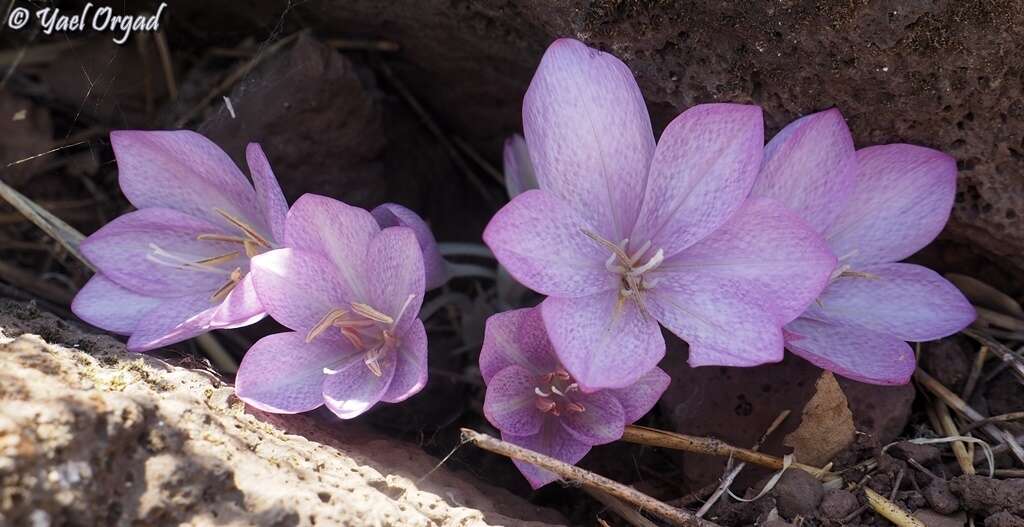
(539, 392)
(556, 391)
(655, 261)
(640, 252)
(401, 312)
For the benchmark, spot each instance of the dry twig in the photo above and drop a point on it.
(712, 447)
(890, 510)
(949, 428)
(965, 410)
(573, 473)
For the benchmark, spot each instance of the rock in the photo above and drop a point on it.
(97, 436)
(923, 454)
(329, 127)
(738, 404)
(900, 72)
(940, 498)
(798, 494)
(838, 504)
(988, 496)
(934, 519)
(949, 361)
(1004, 519)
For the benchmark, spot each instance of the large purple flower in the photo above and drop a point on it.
(875, 206)
(623, 235)
(537, 404)
(179, 266)
(350, 292)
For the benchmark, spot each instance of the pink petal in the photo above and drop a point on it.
(856, 353)
(124, 250)
(767, 249)
(392, 215)
(589, 134)
(552, 441)
(901, 202)
(706, 161)
(185, 171)
(717, 319)
(354, 389)
(602, 420)
(241, 307)
(518, 338)
(174, 320)
(541, 241)
(904, 300)
(284, 374)
(639, 398)
(272, 204)
(394, 279)
(340, 232)
(510, 403)
(602, 344)
(109, 306)
(411, 368)
(810, 167)
(518, 168)
(297, 287)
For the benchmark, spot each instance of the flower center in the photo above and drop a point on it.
(369, 330)
(252, 244)
(633, 270)
(555, 392)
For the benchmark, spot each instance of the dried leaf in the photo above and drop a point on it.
(826, 426)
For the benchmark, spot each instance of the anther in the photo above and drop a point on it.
(575, 407)
(545, 405)
(244, 227)
(327, 321)
(369, 312)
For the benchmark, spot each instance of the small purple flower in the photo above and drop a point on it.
(519, 176)
(179, 266)
(395, 215)
(538, 405)
(875, 206)
(350, 292)
(623, 234)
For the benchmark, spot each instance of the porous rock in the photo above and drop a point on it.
(798, 494)
(98, 436)
(987, 495)
(838, 504)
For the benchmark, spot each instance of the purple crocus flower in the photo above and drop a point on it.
(623, 234)
(179, 265)
(395, 215)
(519, 176)
(875, 206)
(350, 292)
(537, 404)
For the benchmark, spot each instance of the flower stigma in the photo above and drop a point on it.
(633, 278)
(553, 393)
